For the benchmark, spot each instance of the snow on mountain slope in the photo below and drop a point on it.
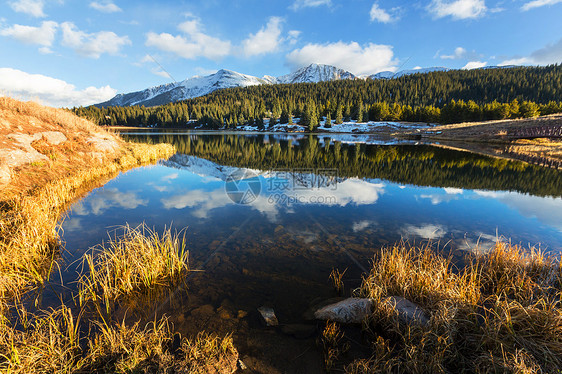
(315, 73)
(401, 73)
(200, 86)
(187, 89)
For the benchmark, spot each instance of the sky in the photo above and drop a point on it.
(69, 53)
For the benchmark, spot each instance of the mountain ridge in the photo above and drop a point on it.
(203, 85)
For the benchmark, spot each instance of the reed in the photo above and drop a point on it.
(500, 313)
(134, 267)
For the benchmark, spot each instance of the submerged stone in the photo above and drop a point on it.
(268, 315)
(352, 310)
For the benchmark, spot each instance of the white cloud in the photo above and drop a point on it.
(427, 231)
(457, 9)
(92, 45)
(43, 35)
(266, 40)
(459, 53)
(362, 225)
(538, 3)
(547, 210)
(298, 4)
(380, 15)
(50, 91)
(193, 44)
(549, 54)
(105, 6)
(475, 65)
(32, 7)
(293, 36)
(368, 59)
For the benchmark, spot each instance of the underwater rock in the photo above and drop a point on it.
(352, 310)
(268, 315)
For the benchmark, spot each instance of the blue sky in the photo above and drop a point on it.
(70, 52)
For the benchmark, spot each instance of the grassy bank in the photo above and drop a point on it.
(500, 313)
(48, 159)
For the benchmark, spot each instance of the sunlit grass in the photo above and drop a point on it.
(53, 343)
(501, 313)
(139, 264)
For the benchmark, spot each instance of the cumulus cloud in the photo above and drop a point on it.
(32, 7)
(293, 36)
(50, 91)
(549, 54)
(193, 43)
(298, 4)
(266, 40)
(368, 59)
(427, 231)
(457, 9)
(380, 15)
(92, 45)
(538, 3)
(43, 35)
(459, 53)
(475, 65)
(105, 6)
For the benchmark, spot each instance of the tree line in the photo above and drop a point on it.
(436, 97)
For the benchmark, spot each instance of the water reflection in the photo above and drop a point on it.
(322, 205)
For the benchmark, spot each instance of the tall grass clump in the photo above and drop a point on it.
(53, 343)
(501, 313)
(135, 266)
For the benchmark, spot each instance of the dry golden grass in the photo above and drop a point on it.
(137, 266)
(31, 205)
(501, 313)
(53, 343)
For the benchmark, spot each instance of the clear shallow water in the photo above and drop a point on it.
(321, 205)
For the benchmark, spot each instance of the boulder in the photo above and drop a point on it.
(408, 312)
(54, 137)
(352, 310)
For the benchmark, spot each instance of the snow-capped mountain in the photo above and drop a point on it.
(200, 86)
(187, 89)
(401, 73)
(315, 73)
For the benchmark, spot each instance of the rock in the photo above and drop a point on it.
(299, 331)
(319, 303)
(5, 175)
(242, 314)
(268, 315)
(352, 310)
(224, 313)
(103, 143)
(54, 137)
(408, 312)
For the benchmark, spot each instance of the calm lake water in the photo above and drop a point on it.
(269, 216)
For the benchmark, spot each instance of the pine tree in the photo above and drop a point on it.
(328, 123)
(339, 115)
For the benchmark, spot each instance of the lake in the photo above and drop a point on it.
(268, 216)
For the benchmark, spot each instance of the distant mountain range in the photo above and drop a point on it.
(200, 86)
